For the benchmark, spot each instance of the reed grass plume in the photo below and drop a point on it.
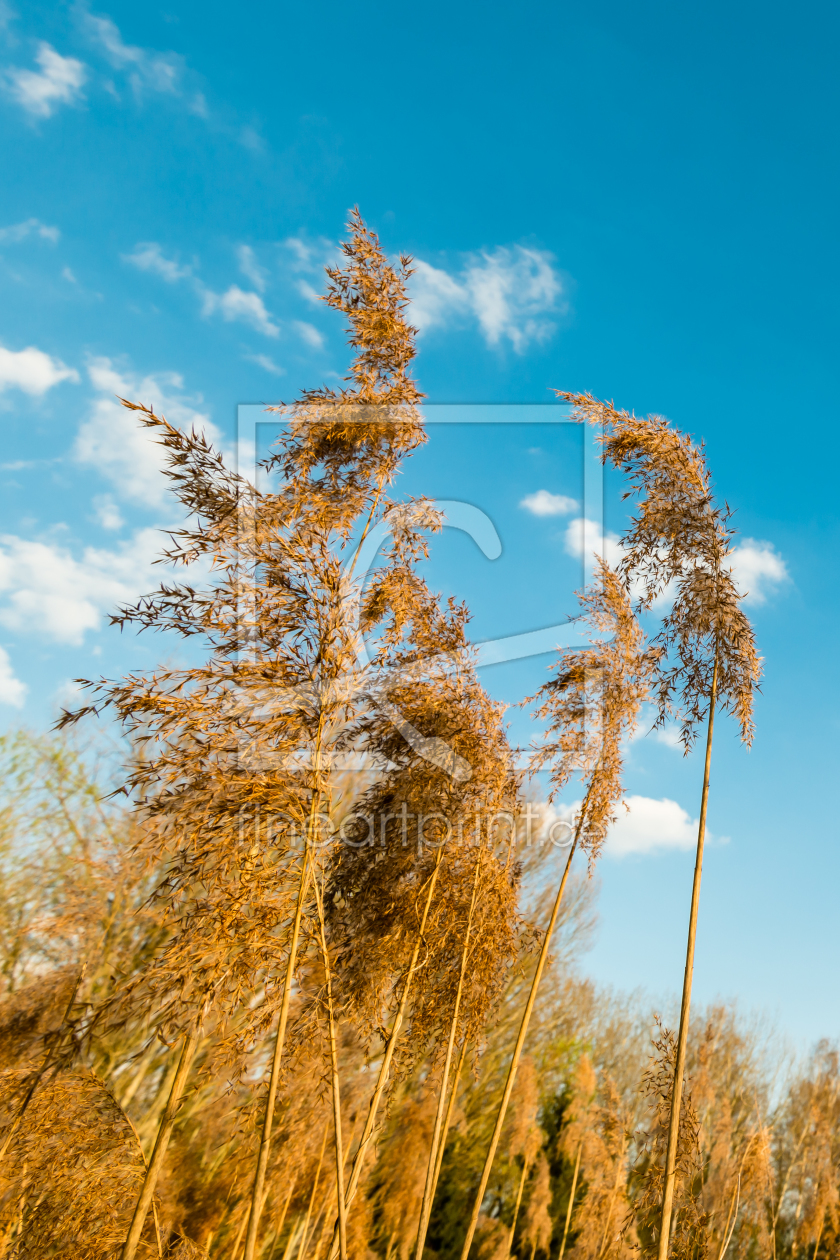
(678, 547)
(591, 704)
(76, 1166)
(689, 1229)
(596, 1137)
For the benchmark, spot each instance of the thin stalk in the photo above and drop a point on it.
(368, 523)
(279, 1230)
(619, 1164)
(238, 1239)
(819, 1236)
(679, 1066)
(570, 1208)
(144, 1202)
(306, 1219)
(280, 1039)
(429, 1189)
(292, 1239)
(727, 1234)
(336, 1094)
(140, 1075)
(279, 1042)
(154, 1205)
(448, 1118)
(523, 1029)
(517, 1206)
(385, 1066)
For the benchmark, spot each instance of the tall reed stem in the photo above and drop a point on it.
(144, 1202)
(679, 1066)
(450, 1106)
(431, 1180)
(571, 1206)
(308, 1217)
(520, 1040)
(385, 1066)
(279, 1041)
(517, 1206)
(336, 1094)
(257, 1197)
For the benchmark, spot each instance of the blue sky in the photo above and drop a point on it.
(637, 200)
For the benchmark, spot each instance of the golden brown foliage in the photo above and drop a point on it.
(72, 1170)
(689, 1240)
(679, 543)
(591, 704)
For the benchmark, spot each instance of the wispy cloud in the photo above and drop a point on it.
(238, 306)
(544, 503)
(309, 334)
(583, 538)
(645, 826)
(59, 81)
(47, 591)
(125, 454)
(12, 690)
(235, 305)
(250, 267)
(17, 232)
(148, 256)
(508, 291)
(107, 513)
(149, 70)
(758, 570)
(311, 255)
(757, 567)
(267, 364)
(304, 256)
(32, 371)
(650, 826)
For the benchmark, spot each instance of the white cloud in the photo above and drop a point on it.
(435, 296)
(29, 227)
(669, 735)
(107, 512)
(508, 291)
(757, 567)
(58, 82)
(306, 291)
(48, 592)
(649, 825)
(148, 256)
(309, 334)
(238, 306)
(583, 537)
(311, 256)
(12, 690)
(758, 570)
(149, 70)
(32, 370)
(267, 364)
(235, 306)
(544, 503)
(645, 826)
(112, 441)
(250, 268)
